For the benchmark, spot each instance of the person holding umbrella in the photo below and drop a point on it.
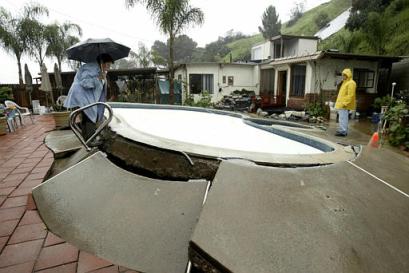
(90, 84)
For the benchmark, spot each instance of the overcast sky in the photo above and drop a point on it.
(111, 18)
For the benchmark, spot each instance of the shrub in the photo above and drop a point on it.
(398, 131)
(6, 93)
(316, 109)
(381, 101)
(322, 20)
(204, 101)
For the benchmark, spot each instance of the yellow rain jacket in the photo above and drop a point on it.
(347, 96)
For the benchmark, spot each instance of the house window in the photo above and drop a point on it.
(200, 82)
(230, 80)
(364, 78)
(224, 79)
(298, 80)
(180, 77)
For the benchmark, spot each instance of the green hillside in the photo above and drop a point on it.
(304, 26)
(392, 33)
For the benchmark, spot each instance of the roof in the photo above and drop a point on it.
(219, 63)
(121, 72)
(333, 55)
(289, 37)
(349, 56)
(295, 59)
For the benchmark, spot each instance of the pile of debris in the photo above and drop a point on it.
(242, 101)
(292, 116)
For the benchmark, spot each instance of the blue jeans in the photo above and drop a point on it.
(343, 121)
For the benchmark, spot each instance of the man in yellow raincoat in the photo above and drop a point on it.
(346, 101)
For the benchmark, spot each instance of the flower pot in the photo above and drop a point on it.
(3, 126)
(61, 119)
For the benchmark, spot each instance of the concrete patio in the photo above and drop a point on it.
(25, 244)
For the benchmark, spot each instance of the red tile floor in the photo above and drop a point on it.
(25, 244)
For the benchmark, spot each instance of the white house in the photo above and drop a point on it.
(289, 71)
(293, 72)
(219, 79)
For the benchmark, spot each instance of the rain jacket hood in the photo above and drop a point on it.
(347, 93)
(347, 72)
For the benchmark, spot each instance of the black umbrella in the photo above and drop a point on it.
(88, 50)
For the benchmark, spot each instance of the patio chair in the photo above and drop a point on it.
(10, 118)
(21, 111)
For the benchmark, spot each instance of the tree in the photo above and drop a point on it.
(172, 17)
(126, 63)
(184, 48)
(143, 56)
(59, 38)
(322, 20)
(271, 25)
(160, 53)
(360, 11)
(216, 51)
(376, 32)
(347, 42)
(35, 33)
(13, 35)
(295, 13)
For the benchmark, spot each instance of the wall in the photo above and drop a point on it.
(245, 76)
(261, 51)
(307, 46)
(324, 73)
(400, 75)
(290, 47)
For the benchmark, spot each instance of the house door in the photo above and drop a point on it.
(282, 87)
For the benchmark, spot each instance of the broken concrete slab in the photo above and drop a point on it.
(62, 143)
(333, 218)
(386, 165)
(130, 220)
(63, 163)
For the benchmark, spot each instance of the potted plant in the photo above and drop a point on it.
(60, 113)
(3, 121)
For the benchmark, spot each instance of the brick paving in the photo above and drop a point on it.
(25, 244)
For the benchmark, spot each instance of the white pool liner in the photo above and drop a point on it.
(208, 129)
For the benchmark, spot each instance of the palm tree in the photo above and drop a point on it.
(35, 33)
(59, 38)
(172, 17)
(13, 35)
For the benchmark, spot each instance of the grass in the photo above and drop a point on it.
(399, 41)
(242, 47)
(306, 25)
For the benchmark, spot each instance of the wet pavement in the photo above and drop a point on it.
(25, 244)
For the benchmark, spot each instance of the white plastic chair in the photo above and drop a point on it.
(22, 111)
